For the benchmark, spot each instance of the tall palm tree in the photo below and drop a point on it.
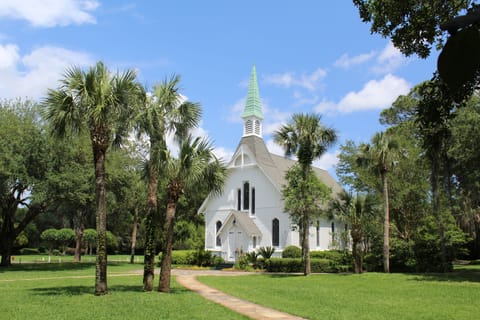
(102, 103)
(194, 165)
(163, 113)
(380, 157)
(357, 212)
(308, 139)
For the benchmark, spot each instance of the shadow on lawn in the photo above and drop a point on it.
(65, 266)
(456, 276)
(90, 290)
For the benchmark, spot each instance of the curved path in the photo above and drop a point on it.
(187, 278)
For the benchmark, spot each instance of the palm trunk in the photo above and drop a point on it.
(134, 235)
(80, 226)
(306, 245)
(357, 251)
(101, 221)
(149, 258)
(386, 226)
(436, 208)
(166, 265)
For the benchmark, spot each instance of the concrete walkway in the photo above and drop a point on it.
(187, 278)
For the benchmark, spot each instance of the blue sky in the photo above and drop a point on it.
(310, 56)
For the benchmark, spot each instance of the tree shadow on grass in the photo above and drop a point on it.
(456, 276)
(90, 290)
(65, 266)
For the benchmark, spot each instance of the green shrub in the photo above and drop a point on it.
(284, 265)
(317, 265)
(338, 256)
(266, 252)
(292, 252)
(199, 257)
(25, 251)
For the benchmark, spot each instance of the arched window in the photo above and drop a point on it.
(239, 199)
(257, 127)
(253, 201)
(246, 195)
(218, 226)
(275, 232)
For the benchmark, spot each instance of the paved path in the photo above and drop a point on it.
(187, 278)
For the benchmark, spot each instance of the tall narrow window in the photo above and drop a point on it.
(318, 233)
(254, 242)
(239, 199)
(253, 201)
(219, 241)
(246, 196)
(333, 231)
(275, 232)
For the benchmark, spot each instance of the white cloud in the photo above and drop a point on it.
(389, 60)
(345, 61)
(326, 162)
(8, 56)
(274, 148)
(374, 95)
(307, 81)
(50, 13)
(236, 111)
(32, 74)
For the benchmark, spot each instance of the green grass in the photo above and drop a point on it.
(66, 291)
(366, 296)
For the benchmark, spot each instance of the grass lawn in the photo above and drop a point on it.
(366, 296)
(65, 291)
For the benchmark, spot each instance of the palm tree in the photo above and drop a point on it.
(195, 164)
(102, 103)
(380, 157)
(357, 212)
(163, 113)
(308, 139)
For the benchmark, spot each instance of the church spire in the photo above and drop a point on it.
(252, 114)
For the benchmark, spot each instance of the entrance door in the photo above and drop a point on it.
(235, 237)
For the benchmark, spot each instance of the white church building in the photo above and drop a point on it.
(250, 213)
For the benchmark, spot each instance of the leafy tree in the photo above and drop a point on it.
(90, 238)
(308, 139)
(465, 158)
(357, 212)
(164, 113)
(64, 237)
(379, 157)
(102, 103)
(195, 165)
(304, 199)
(24, 164)
(413, 26)
(70, 182)
(50, 237)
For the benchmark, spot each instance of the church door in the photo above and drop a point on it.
(235, 236)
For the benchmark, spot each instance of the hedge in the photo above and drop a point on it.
(296, 265)
(194, 257)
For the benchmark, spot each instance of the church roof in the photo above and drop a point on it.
(275, 167)
(253, 105)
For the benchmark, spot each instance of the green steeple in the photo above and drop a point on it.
(253, 106)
